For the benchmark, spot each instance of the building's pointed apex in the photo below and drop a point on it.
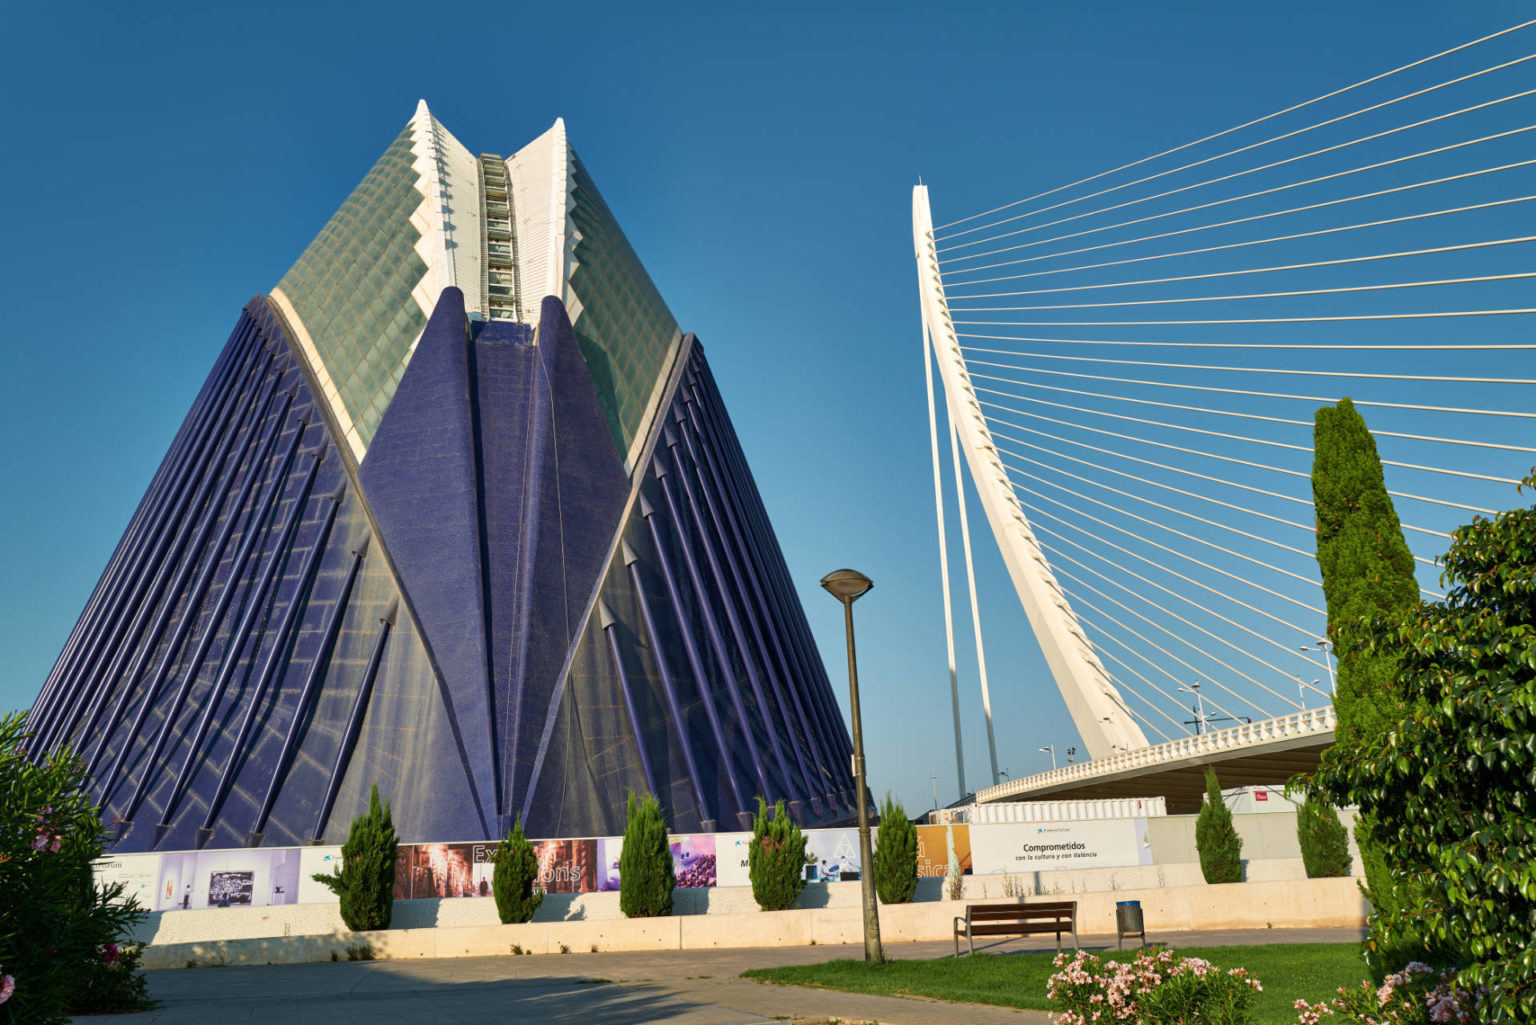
(421, 109)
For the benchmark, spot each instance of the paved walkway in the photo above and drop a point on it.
(677, 987)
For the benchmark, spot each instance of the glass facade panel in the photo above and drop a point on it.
(352, 286)
(624, 329)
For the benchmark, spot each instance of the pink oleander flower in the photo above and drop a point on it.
(110, 953)
(7, 987)
(39, 841)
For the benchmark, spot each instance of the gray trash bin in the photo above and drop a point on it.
(1128, 922)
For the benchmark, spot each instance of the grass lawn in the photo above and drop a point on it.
(1286, 970)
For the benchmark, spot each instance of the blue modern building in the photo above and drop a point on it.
(460, 512)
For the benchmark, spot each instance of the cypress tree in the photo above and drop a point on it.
(514, 875)
(1221, 849)
(646, 876)
(365, 879)
(776, 859)
(1323, 839)
(1367, 576)
(895, 854)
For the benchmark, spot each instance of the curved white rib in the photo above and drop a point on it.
(1096, 707)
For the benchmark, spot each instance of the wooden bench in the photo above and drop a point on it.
(1017, 920)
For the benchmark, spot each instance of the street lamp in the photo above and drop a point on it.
(1301, 689)
(1199, 708)
(848, 586)
(1326, 647)
(1051, 750)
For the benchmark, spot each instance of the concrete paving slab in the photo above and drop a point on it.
(677, 987)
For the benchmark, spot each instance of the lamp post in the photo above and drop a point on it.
(848, 586)
(1051, 750)
(1326, 647)
(1199, 708)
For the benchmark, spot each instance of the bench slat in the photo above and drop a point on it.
(1022, 929)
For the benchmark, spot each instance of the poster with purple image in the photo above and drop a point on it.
(693, 860)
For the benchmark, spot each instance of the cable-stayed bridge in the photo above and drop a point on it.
(1130, 364)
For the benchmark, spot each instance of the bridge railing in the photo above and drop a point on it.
(1309, 723)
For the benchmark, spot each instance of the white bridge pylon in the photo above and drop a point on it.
(1133, 364)
(1097, 709)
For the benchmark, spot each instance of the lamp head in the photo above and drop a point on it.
(846, 585)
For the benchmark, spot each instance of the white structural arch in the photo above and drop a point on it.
(1097, 710)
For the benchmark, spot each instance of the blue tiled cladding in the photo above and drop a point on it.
(590, 757)
(512, 617)
(497, 488)
(406, 728)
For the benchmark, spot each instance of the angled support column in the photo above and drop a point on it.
(194, 600)
(355, 721)
(255, 528)
(258, 599)
(307, 692)
(191, 436)
(607, 622)
(832, 740)
(698, 455)
(695, 661)
(151, 560)
(745, 569)
(282, 639)
(668, 687)
(711, 627)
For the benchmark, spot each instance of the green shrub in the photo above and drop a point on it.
(1221, 849)
(776, 859)
(1323, 838)
(1451, 785)
(1368, 573)
(57, 926)
(895, 854)
(365, 879)
(514, 877)
(646, 877)
(112, 983)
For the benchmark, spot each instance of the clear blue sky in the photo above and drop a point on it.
(166, 162)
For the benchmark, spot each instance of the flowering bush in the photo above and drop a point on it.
(1417, 995)
(58, 929)
(112, 982)
(1158, 988)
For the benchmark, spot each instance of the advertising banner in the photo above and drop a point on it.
(430, 870)
(137, 872)
(312, 861)
(933, 848)
(1057, 846)
(731, 866)
(567, 866)
(693, 860)
(832, 855)
(227, 879)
